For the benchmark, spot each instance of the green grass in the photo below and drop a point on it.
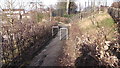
(108, 22)
(68, 16)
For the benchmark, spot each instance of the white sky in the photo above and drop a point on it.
(49, 2)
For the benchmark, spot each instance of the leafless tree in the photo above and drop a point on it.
(67, 6)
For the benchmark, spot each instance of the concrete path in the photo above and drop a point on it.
(50, 54)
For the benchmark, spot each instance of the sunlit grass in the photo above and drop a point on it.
(108, 22)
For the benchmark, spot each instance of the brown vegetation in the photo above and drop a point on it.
(21, 40)
(116, 4)
(91, 48)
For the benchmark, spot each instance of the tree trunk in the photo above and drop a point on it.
(67, 6)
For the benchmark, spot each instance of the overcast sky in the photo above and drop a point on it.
(49, 2)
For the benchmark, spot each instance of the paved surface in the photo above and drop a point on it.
(50, 54)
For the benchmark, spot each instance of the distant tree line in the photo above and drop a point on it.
(62, 8)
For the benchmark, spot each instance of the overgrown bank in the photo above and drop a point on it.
(92, 42)
(22, 40)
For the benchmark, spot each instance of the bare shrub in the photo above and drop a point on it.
(21, 40)
(90, 50)
(101, 51)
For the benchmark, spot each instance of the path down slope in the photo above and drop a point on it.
(49, 55)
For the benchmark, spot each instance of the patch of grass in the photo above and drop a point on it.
(108, 22)
(68, 16)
